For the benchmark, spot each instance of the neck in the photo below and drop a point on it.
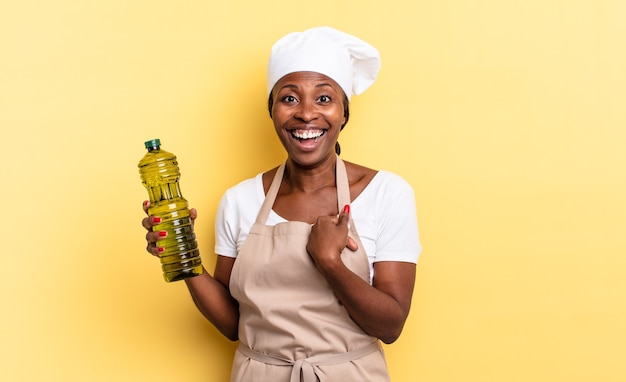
(309, 180)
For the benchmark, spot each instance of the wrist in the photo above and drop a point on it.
(330, 264)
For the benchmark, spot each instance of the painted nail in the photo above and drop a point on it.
(346, 209)
(156, 220)
(145, 203)
(162, 233)
(161, 249)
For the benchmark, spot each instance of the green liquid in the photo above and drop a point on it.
(181, 257)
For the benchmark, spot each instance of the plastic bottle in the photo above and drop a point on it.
(160, 175)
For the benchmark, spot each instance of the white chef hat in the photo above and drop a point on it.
(349, 61)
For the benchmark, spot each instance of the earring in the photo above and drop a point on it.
(337, 148)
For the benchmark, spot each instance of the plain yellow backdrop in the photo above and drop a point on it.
(507, 117)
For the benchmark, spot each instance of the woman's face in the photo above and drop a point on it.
(308, 113)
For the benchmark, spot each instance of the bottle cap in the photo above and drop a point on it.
(153, 144)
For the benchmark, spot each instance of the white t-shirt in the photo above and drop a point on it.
(384, 215)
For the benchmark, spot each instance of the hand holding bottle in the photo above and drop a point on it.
(152, 237)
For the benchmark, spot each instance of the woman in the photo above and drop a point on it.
(308, 297)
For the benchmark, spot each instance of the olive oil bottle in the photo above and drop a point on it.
(160, 175)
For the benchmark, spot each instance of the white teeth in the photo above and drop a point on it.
(308, 134)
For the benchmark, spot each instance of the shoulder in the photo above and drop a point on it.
(245, 186)
(267, 178)
(359, 177)
(239, 204)
(391, 180)
(387, 187)
(243, 193)
(364, 179)
(357, 172)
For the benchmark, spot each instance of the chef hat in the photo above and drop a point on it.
(349, 61)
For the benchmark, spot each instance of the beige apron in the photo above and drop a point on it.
(291, 325)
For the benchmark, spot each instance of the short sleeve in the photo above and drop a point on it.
(398, 234)
(236, 214)
(225, 236)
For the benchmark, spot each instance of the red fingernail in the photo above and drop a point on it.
(156, 220)
(161, 249)
(346, 209)
(145, 203)
(162, 233)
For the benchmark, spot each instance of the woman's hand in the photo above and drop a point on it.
(329, 236)
(152, 237)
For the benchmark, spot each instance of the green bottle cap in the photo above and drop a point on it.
(153, 144)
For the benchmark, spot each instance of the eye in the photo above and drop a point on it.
(289, 99)
(324, 99)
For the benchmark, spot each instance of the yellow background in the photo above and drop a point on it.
(507, 117)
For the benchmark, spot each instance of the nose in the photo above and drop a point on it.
(306, 111)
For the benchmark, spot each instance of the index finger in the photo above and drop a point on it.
(344, 215)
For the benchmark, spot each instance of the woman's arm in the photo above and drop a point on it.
(210, 293)
(380, 309)
(212, 297)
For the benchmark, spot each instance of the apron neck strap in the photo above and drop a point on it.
(343, 186)
(343, 190)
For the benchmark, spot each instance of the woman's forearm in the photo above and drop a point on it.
(380, 310)
(214, 301)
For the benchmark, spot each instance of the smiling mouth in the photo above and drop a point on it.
(302, 135)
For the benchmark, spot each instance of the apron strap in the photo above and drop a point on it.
(308, 368)
(268, 203)
(343, 186)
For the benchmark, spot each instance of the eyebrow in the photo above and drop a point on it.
(294, 86)
(323, 84)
